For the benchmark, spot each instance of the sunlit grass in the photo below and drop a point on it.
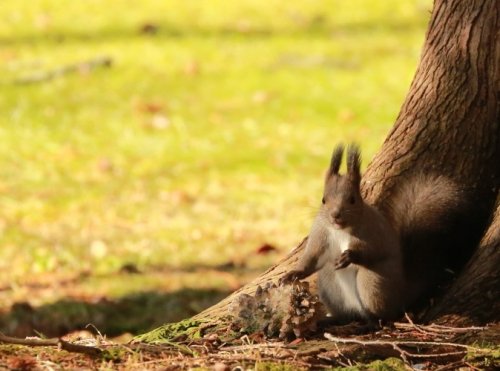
(203, 140)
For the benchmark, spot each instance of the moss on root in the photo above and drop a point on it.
(170, 332)
(388, 364)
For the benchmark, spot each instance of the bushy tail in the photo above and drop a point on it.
(425, 203)
(428, 212)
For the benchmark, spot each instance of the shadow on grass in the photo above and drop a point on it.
(136, 313)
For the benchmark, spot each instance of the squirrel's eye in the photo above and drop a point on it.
(323, 201)
(352, 200)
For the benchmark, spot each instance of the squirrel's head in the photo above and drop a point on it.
(342, 201)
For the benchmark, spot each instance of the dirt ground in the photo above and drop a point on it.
(394, 347)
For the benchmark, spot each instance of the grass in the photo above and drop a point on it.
(206, 138)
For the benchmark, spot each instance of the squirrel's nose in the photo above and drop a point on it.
(336, 215)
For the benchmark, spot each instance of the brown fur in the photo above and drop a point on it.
(423, 209)
(352, 245)
(373, 264)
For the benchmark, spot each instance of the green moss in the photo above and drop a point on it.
(274, 366)
(388, 364)
(115, 354)
(167, 334)
(486, 357)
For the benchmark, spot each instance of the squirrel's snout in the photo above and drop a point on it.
(336, 215)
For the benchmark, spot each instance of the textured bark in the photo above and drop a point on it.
(449, 121)
(448, 125)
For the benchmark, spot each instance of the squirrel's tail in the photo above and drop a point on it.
(427, 212)
(423, 204)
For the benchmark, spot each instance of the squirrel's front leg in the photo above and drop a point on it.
(292, 276)
(353, 255)
(309, 262)
(304, 268)
(347, 258)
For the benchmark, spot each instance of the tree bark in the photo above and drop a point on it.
(448, 125)
(449, 122)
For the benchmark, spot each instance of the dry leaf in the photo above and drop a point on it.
(266, 249)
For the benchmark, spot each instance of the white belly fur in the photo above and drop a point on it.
(338, 288)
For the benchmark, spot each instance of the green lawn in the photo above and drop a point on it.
(206, 138)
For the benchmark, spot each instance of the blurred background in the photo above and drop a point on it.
(157, 155)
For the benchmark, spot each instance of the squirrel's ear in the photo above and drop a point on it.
(335, 161)
(354, 163)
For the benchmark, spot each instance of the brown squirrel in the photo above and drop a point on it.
(357, 250)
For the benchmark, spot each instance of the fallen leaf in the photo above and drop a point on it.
(219, 366)
(149, 28)
(129, 268)
(149, 107)
(296, 341)
(22, 363)
(266, 249)
(191, 68)
(105, 165)
(261, 97)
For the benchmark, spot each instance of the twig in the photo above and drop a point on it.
(433, 328)
(232, 357)
(471, 366)
(405, 355)
(62, 344)
(455, 366)
(349, 362)
(252, 346)
(403, 343)
(456, 329)
(413, 325)
(71, 68)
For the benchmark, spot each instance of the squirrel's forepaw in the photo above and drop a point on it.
(289, 278)
(344, 260)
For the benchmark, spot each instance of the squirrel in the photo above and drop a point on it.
(363, 273)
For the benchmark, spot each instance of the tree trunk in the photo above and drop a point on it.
(449, 125)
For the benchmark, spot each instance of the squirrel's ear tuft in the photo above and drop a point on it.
(336, 160)
(354, 162)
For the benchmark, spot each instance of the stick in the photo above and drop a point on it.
(58, 72)
(397, 343)
(253, 346)
(62, 344)
(433, 328)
